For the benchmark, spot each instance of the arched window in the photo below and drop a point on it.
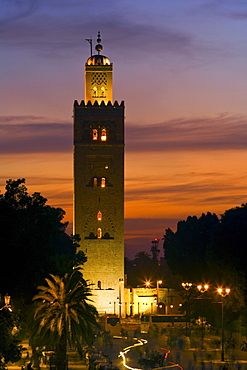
(95, 182)
(99, 216)
(99, 233)
(95, 134)
(99, 284)
(102, 91)
(103, 134)
(94, 91)
(102, 184)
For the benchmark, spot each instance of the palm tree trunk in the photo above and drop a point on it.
(61, 355)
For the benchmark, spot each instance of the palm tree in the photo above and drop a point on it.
(63, 315)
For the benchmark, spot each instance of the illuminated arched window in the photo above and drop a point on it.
(102, 182)
(99, 233)
(103, 134)
(99, 216)
(94, 91)
(95, 134)
(102, 91)
(95, 182)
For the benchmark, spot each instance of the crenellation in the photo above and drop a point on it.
(101, 104)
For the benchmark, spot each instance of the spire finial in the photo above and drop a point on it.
(99, 47)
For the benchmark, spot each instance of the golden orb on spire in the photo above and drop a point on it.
(98, 59)
(98, 47)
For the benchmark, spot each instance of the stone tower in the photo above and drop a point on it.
(99, 183)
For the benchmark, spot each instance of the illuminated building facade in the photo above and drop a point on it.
(99, 183)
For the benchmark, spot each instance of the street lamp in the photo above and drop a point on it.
(187, 286)
(6, 303)
(223, 292)
(157, 293)
(121, 281)
(148, 284)
(203, 288)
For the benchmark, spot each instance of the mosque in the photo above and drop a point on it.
(99, 193)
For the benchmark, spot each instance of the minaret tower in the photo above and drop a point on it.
(99, 183)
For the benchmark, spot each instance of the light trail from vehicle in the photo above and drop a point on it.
(141, 342)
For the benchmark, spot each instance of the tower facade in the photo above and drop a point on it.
(99, 183)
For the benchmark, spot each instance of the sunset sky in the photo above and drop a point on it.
(181, 68)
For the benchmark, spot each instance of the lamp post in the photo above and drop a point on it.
(187, 286)
(6, 303)
(202, 289)
(131, 309)
(157, 293)
(121, 281)
(223, 292)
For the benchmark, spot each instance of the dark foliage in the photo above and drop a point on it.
(186, 249)
(208, 249)
(228, 250)
(32, 236)
(10, 348)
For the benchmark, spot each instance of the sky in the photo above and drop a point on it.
(179, 65)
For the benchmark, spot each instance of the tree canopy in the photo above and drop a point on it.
(33, 240)
(186, 249)
(63, 315)
(211, 249)
(10, 347)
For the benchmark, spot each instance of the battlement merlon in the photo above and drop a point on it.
(95, 104)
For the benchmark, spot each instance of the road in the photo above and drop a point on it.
(186, 358)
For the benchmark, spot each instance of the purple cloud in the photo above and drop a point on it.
(30, 135)
(223, 132)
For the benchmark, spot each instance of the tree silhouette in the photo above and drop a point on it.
(186, 249)
(32, 236)
(212, 250)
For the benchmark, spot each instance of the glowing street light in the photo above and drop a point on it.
(6, 303)
(187, 286)
(148, 284)
(223, 292)
(203, 288)
(157, 292)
